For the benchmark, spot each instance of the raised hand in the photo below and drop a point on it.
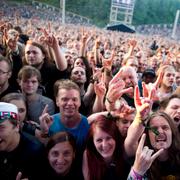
(11, 40)
(84, 38)
(132, 42)
(45, 120)
(144, 157)
(100, 88)
(143, 104)
(97, 42)
(116, 88)
(123, 109)
(107, 63)
(97, 73)
(50, 39)
(147, 88)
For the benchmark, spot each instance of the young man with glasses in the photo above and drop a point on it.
(5, 75)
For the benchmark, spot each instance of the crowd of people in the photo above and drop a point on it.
(164, 30)
(87, 103)
(39, 11)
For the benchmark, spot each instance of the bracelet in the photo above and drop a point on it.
(136, 175)
(138, 120)
(110, 102)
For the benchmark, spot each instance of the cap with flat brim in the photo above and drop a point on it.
(149, 72)
(8, 111)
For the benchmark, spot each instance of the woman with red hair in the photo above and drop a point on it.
(104, 154)
(103, 157)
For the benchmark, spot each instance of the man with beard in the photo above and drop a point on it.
(121, 88)
(78, 75)
(129, 76)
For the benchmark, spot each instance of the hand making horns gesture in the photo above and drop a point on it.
(144, 157)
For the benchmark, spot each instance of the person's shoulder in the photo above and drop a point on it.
(45, 99)
(53, 71)
(49, 66)
(56, 119)
(31, 142)
(57, 115)
(84, 118)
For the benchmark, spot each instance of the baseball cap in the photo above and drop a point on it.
(150, 72)
(8, 111)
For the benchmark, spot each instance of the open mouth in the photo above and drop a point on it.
(177, 119)
(161, 138)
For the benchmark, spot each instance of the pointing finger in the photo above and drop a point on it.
(19, 175)
(45, 110)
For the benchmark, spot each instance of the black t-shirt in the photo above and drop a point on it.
(49, 75)
(10, 89)
(27, 158)
(169, 170)
(129, 100)
(166, 170)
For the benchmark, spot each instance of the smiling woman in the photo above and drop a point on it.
(61, 150)
(104, 150)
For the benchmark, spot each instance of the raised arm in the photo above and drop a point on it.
(59, 58)
(100, 91)
(115, 91)
(45, 123)
(143, 107)
(144, 159)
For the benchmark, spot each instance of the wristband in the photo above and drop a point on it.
(138, 119)
(136, 176)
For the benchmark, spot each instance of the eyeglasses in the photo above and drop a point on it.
(3, 72)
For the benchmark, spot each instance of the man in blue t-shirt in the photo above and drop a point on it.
(69, 119)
